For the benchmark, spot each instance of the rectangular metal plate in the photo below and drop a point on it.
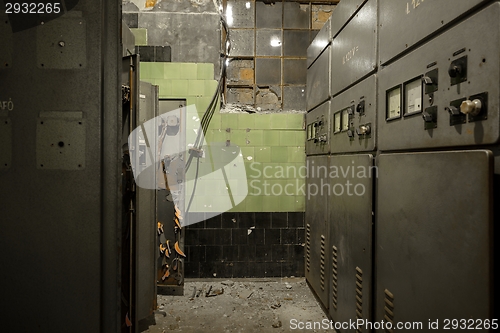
(240, 14)
(242, 43)
(351, 232)
(128, 41)
(405, 23)
(316, 220)
(146, 208)
(433, 235)
(354, 50)
(319, 118)
(318, 80)
(483, 75)
(61, 44)
(363, 98)
(60, 141)
(5, 143)
(342, 14)
(319, 43)
(6, 38)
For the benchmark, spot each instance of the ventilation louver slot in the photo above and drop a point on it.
(389, 309)
(334, 277)
(359, 296)
(308, 247)
(322, 262)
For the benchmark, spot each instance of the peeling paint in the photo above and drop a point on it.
(151, 3)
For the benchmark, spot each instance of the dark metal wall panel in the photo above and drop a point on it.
(296, 15)
(350, 223)
(269, 42)
(354, 50)
(242, 42)
(317, 265)
(401, 22)
(294, 71)
(268, 16)
(318, 80)
(318, 130)
(146, 207)
(353, 118)
(240, 14)
(343, 13)
(433, 236)
(60, 228)
(476, 53)
(319, 43)
(295, 43)
(267, 71)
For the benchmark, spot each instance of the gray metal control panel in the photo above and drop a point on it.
(318, 80)
(319, 43)
(446, 92)
(353, 118)
(434, 237)
(405, 23)
(351, 236)
(354, 50)
(342, 14)
(318, 130)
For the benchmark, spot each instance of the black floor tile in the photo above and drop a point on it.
(245, 220)
(296, 219)
(213, 253)
(280, 252)
(288, 236)
(263, 220)
(239, 236)
(213, 222)
(279, 220)
(229, 220)
(230, 253)
(272, 236)
(256, 237)
(246, 253)
(263, 253)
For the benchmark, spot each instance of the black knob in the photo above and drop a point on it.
(454, 70)
(453, 110)
(427, 117)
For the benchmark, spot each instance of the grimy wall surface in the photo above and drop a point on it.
(59, 176)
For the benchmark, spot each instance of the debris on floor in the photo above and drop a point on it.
(241, 306)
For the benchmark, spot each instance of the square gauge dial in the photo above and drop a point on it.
(413, 91)
(393, 103)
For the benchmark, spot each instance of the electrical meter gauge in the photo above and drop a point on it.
(309, 131)
(314, 130)
(337, 125)
(345, 120)
(393, 103)
(413, 91)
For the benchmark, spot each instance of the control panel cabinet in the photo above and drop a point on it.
(318, 130)
(445, 93)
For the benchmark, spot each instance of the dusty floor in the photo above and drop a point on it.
(246, 305)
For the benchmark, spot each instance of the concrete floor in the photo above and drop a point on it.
(246, 305)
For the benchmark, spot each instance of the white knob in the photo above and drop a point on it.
(471, 107)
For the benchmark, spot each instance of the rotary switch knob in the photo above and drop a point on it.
(471, 107)
(364, 130)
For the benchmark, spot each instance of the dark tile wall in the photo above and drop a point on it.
(234, 245)
(154, 53)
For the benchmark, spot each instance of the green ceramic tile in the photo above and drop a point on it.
(278, 121)
(262, 154)
(196, 87)
(229, 120)
(240, 204)
(270, 138)
(205, 71)
(254, 170)
(254, 203)
(288, 138)
(179, 87)
(165, 87)
(300, 203)
(300, 138)
(248, 153)
(202, 103)
(215, 121)
(239, 187)
(141, 36)
(210, 87)
(288, 203)
(255, 138)
(238, 137)
(271, 204)
(295, 121)
(279, 154)
(172, 70)
(262, 121)
(156, 70)
(255, 187)
(296, 154)
(145, 70)
(189, 71)
(218, 135)
(246, 121)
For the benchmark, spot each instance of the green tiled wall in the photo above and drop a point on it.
(272, 145)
